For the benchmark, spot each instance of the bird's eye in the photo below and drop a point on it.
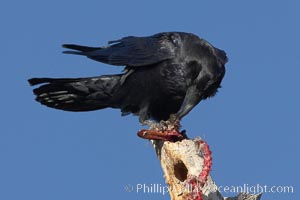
(175, 39)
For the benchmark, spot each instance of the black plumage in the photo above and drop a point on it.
(166, 73)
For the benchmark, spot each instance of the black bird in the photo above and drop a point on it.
(166, 73)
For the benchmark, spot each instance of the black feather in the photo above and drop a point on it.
(166, 73)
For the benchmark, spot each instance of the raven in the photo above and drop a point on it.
(166, 73)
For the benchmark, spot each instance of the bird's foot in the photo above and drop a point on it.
(152, 124)
(172, 123)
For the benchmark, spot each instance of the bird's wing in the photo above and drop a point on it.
(132, 51)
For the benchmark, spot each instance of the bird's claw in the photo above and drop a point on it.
(172, 123)
(152, 124)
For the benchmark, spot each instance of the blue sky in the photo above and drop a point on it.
(252, 125)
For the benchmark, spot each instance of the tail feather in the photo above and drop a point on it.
(82, 94)
(36, 81)
(79, 49)
(100, 54)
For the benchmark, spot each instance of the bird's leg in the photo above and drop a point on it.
(172, 123)
(152, 124)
